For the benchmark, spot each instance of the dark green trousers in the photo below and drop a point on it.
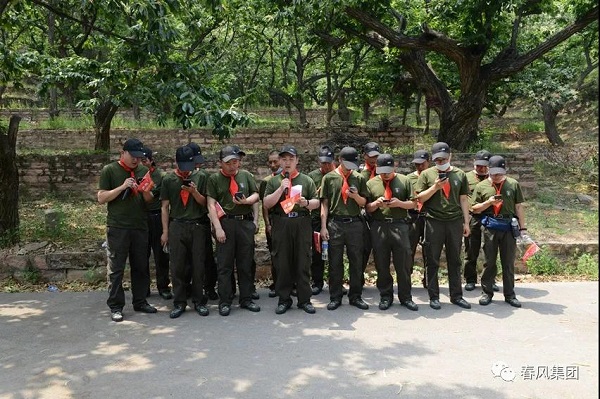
(187, 243)
(472, 249)
(502, 242)
(346, 236)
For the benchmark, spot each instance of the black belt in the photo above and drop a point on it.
(390, 220)
(346, 219)
(247, 216)
(191, 221)
(500, 216)
(295, 215)
(155, 212)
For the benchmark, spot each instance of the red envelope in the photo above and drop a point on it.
(288, 204)
(146, 184)
(532, 250)
(317, 241)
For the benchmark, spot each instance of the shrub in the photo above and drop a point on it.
(544, 263)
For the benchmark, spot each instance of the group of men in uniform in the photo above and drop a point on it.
(356, 210)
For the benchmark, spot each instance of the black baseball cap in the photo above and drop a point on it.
(440, 150)
(482, 158)
(230, 152)
(497, 165)
(198, 158)
(325, 154)
(420, 156)
(184, 156)
(135, 148)
(288, 149)
(371, 149)
(349, 158)
(385, 164)
(148, 153)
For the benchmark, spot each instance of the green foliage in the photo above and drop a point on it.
(94, 276)
(586, 265)
(31, 274)
(544, 263)
(531, 126)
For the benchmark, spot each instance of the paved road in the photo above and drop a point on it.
(63, 345)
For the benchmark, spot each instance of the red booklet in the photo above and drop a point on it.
(317, 241)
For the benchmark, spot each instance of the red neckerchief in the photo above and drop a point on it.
(388, 190)
(233, 186)
(498, 189)
(370, 169)
(131, 171)
(184, 195)
(345, 186)
(446, 186)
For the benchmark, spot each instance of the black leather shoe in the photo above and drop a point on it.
(212, 295)
(316, 290)
(410, 305)
(224, 310)
(485, 300)
(359, 303)
(333, 305)
(251, 306)
(272, 294)
(514, 302)
(282, 308)
(435, 304)
(177, 311)
(385, 304)
(255, 296)
(469, 286)
(495, 287)
(201, 310)
(145, 308)
(116, 315)
(462, 303)
(166, 295)
(308, 308)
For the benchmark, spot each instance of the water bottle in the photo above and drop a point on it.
(324, 250)
(514, 224)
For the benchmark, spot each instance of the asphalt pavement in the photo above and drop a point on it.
(63, 345)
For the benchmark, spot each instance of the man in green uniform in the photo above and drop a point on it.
(390, 195)
(231, 193)
(161, 258)
(127, 228)
(317, 266)
(417, 215)
(473, 241)
(368, 170)
(185, 221)
(343, 194)
(443, 190)
(273, 163)
(292, 234)
(500, 198)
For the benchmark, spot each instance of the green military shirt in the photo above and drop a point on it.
(510, 191)
(401, 189)
(218, 188)
(316, 177)
(309, 191)
(331, 189)
(129, 213)
(412, 178)
(473, 178)
(262, 186)
(438, 206)
(170, 190)
(157, 176)
(366, 173)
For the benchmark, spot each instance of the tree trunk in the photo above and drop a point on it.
(404, 115)
(9, 177)
(366, 106)
(459, 125)
(418, 108)
(299, 104)
(550, 124)
(343, 111)
(102, 120)
(136, 112)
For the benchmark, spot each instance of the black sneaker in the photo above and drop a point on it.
(116, 316)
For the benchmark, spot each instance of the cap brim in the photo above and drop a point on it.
(350, 165)
(384, 169)
(137, 154)
(418, 160)
(198, 158)
(230, 157)
(497, 171)
(481, 163)
(444, 155)
(287, 152)
(186, 166)
(241, 153)
(373, 153)
(326, 159)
